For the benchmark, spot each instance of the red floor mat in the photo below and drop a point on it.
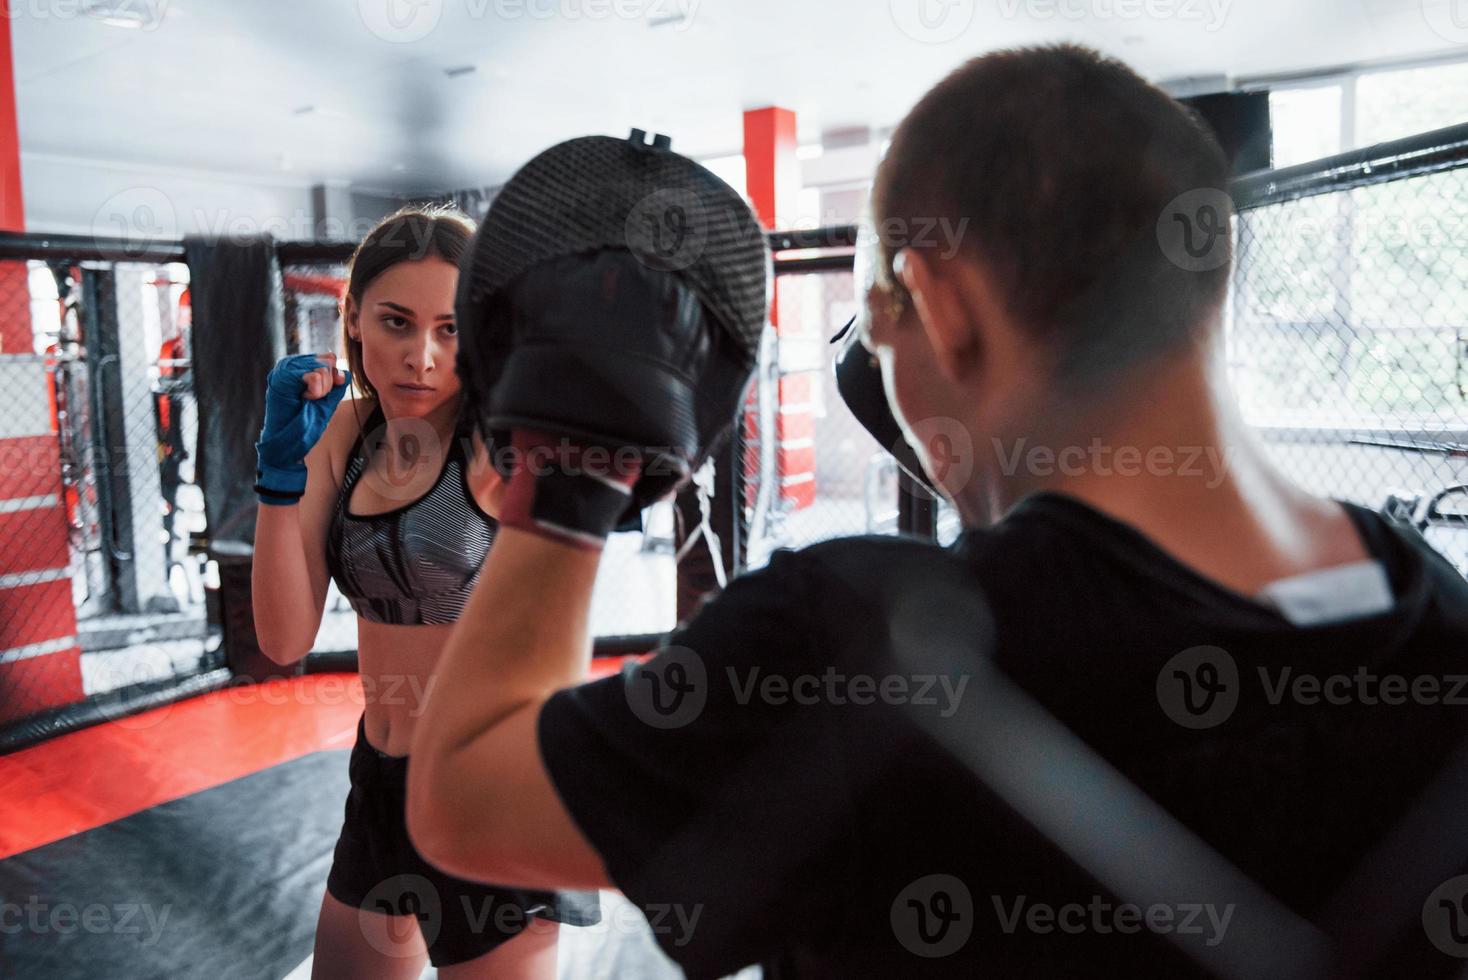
(89, 778)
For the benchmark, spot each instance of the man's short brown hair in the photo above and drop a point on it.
(1058, 164)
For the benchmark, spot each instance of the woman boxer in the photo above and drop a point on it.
(378, 494)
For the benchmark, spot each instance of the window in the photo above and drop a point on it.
(1306, 123)
(1405, 102)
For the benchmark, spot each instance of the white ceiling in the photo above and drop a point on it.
(217, 85)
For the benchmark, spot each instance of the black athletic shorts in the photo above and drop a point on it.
(376, 867)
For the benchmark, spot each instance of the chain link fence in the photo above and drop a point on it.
(1348, 335)
(812, 472)
(103, 584)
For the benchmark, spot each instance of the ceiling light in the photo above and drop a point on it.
(678, 16)
(461, 70)
(117, 13)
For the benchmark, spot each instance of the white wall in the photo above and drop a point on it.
(67, 195)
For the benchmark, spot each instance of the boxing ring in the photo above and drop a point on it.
(172, 797)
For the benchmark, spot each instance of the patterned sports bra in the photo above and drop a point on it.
(415, 564)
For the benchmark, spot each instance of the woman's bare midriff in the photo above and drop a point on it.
(396, 664)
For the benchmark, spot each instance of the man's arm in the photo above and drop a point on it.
(480, 803)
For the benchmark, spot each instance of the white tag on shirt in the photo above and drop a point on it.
(1331, 595)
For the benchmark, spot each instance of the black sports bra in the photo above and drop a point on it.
(415, 564)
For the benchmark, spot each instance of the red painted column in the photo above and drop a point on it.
(772, 179)
(39, 655)
(12, 204)
(15, 310)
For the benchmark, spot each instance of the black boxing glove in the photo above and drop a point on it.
(613, 300)
(599, 350)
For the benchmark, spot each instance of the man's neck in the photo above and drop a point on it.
(1181, 466)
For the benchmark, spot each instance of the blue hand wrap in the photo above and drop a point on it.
(293, 424)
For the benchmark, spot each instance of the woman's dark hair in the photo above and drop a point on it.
(412, 233)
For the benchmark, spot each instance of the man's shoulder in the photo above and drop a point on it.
(885, 587)
(871, 561)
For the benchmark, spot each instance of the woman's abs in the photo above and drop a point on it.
(396, 664)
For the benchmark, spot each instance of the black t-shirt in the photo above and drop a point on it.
(774, 786)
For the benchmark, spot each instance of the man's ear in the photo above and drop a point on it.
(939, 297)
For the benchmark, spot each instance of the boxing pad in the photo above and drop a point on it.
(858, 373)
(614, 296)
(859, 380)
